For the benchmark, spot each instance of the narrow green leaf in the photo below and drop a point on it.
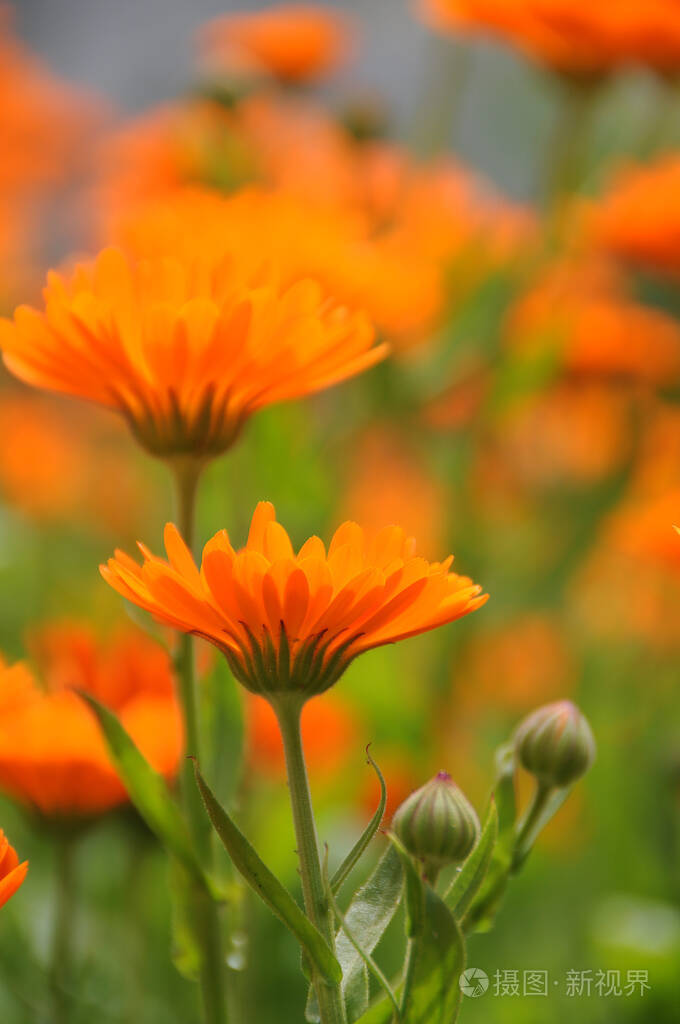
(369, 962)
(374, 824)
(469, 879)
(368, 916)
(147, 790)
(253, 869)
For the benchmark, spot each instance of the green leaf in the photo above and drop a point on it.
(186, 953)
(436, 953)
(368, 960)
(368, 916)
(415, 890)
(355, 853)
(436, 960)
(253, 869)
(467, 882)
(381, 1012)
(147, 790)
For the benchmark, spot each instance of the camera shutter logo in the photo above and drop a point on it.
(474, 982)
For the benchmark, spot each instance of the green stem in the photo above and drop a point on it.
(62, 934)
(524, 837)
(569, 146)
(204, 911)
(329, 997)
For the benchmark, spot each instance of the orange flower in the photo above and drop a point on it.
(184, 350)
(574, 36)
(56, 465)
(52, 755)
(12, 873)
(290, 622)
(638, 219)
(582, 311)
(293, 42)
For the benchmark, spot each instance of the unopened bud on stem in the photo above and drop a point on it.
(437, 824)
(556, 744)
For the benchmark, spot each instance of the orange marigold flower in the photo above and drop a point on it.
(12, 873)
(638, 218)
(52, 754)
(184, 350)
(583, 311)
(293, 42)
(574, 36)
(290, 622)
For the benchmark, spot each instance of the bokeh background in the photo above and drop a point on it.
(533, 429)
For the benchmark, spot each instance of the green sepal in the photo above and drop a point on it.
(248, 862)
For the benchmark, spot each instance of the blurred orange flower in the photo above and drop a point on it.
(293, 43)
(638, 218)
(295, 622)
(185, 350)
(572, 431)
(56, 467)
(581, 310)
(516, 666)
(408, 494)
(52, 755)
(12, 873)
(330, 735)
(573, 36)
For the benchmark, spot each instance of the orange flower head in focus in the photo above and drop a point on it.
(638, 218)
(573, 36)
(52, 755)
(12, 873)
(292, 622)
(186, 350)
(293, 43)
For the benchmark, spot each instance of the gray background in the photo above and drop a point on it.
(139, 52)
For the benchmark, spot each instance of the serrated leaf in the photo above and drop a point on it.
(147, 790)
(469, 879)
(358, 849)
(248, 862)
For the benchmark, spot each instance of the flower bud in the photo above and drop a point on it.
(437, 823)
(556, 744)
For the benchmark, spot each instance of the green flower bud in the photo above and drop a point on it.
(556, 744)
(437, 824)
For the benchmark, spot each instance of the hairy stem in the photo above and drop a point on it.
(204, 912)
(329, 997)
